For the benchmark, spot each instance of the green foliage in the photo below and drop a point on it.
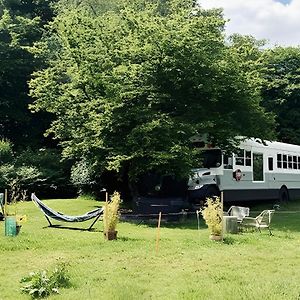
(17, 33)
(212, 214)
(41, 284)
(281, 90)
(82, 174)
(129, 86)
(29, 169)
(111, 213)
(6, 153)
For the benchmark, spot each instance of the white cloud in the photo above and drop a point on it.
(264, 19)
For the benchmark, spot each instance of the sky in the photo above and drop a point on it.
(278, 21)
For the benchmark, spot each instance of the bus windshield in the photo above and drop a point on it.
(210, 158)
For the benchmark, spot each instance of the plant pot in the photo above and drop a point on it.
(10, 226)
(214, 237)
(110, 235)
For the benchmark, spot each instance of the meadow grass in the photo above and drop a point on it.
(187, 266)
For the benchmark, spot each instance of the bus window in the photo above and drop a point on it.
(270, 163)
(248, 158)
(279, 161)
(227, 160)
(240, 158)
(299, 162)
(258, 167)
(284, 161)
(295, 163)
(290, 160)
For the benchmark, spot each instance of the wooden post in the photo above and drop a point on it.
(222, 207)
(158, 233)
(106, 209)
(5, 203)
(198, 219)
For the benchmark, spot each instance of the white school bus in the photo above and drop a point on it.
(259, 170)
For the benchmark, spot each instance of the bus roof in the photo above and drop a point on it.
(270, 145)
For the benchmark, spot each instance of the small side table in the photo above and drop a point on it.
(230, 224)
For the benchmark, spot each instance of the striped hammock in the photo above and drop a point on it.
(51, 213)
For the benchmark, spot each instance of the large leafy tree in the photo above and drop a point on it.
(21, 24)
(281, 91)
(131, 85)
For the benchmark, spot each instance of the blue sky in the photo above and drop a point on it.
(278, 21)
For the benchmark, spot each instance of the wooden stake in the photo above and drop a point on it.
(106, 208)
(5, 203)
(158, 233)
(222, 207)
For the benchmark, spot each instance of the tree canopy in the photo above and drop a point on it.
(21, 24)
(131, 85)
(281, 91)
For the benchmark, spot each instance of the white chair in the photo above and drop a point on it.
(238, 211)
(263, 220)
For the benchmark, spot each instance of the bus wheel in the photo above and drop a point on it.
(283, 194)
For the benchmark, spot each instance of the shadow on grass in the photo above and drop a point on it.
(128, 239)
(186, 224)
(72, 228)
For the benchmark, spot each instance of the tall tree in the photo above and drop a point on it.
(21, 24)
(281, 91)
(130, 86)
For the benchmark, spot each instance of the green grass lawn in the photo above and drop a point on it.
(188, 265)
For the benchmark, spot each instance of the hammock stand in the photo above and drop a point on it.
(51, 213)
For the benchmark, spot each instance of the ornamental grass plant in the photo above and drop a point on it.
(212, 214)
(111, 213)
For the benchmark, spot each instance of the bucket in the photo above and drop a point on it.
(10, 226)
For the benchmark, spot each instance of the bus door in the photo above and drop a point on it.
(258, 167)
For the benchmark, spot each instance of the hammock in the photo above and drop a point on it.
(49, 212)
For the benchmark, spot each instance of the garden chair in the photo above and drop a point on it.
(263, 220)
(239, 212)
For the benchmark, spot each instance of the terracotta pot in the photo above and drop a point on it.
(110, 235)
(214, 237)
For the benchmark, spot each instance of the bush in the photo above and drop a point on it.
(40, 284)
(212, 214)
(111, 213)
(6, 153)
(34, 170)
(82, 175)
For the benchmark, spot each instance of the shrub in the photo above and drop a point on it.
(40, 284)
(6, 153)
(111, 213)
(82, 175)
(212, 214)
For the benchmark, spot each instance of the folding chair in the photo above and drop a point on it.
(263, 220)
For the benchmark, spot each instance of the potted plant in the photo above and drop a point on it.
(212, 214)
(111, 217)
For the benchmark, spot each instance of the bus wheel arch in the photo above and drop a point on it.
(284, 194)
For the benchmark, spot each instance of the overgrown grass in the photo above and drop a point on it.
(187, 266)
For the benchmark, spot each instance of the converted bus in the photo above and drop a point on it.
(259, 170)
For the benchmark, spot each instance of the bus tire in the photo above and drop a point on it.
(284, 194)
